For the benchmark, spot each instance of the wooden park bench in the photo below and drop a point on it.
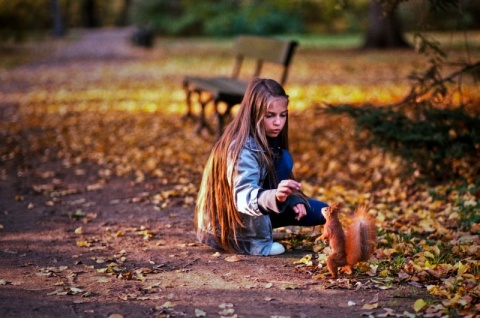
(230, 90)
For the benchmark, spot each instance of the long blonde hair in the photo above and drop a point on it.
(216, 195)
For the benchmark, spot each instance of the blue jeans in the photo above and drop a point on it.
(283, 168)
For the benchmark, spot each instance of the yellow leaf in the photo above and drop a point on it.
(370, 306)
(433, 289)
(83, 244)
(428, 254)
(462, 268)
(384, 273)
(307, 260)
(200, 313)
(419, 305)
(453, 301)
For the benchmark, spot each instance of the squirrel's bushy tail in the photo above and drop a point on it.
(361, 237)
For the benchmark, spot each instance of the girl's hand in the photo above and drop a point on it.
(285, 188)
(300, 210)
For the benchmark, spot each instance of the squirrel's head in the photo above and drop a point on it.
(329, 211)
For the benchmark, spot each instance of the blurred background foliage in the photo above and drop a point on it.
(434, 145)
(19, 18)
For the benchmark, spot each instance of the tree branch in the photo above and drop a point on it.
(413, 95)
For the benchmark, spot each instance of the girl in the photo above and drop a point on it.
(248, 187)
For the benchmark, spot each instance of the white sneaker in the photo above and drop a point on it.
(276, 249)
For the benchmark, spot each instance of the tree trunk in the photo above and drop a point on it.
(384, 30)
(58, 28)
(122, 18)
(90, 14)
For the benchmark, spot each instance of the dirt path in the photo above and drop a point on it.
(75, 245)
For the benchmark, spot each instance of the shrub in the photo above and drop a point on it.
(430, 139)
(217, 18)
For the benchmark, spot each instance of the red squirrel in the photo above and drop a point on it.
(348, 248)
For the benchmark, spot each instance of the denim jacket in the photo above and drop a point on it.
(252, 200)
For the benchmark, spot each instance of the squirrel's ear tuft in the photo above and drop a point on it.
(335, 206)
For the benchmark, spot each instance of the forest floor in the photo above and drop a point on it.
(77, 240)
(102, 249)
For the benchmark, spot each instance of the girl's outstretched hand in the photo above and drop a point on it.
(285, 188)
(300, 211)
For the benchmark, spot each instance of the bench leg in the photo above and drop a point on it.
(188, 114)
(221, 124)
(202, 123)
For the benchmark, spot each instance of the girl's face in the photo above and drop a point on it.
(276, 116)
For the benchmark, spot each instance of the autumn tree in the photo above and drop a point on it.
(434, 125)
(384, 29)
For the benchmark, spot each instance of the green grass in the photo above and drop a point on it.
(330, 41)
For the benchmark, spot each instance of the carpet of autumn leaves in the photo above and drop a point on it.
(123, 113)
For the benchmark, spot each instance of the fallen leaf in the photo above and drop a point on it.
(102, 280)
(167, 304)
(289, 287)
(388, 313)
(370, 306)
(419, 305)
(233, 258)
(227, 312)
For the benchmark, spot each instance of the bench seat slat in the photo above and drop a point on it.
(219, 87)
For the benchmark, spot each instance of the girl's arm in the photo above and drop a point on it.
(248, 194)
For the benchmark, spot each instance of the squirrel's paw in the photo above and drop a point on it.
(347, 270)
(321, 239)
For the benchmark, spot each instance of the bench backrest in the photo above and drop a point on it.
(263, 49)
